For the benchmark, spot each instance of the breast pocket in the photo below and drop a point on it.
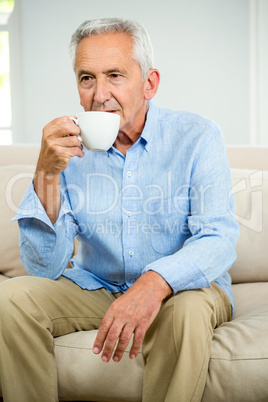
(168, 223)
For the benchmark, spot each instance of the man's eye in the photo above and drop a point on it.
(115, 75)
(86, 78)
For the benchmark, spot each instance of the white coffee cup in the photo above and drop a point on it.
(98, 129)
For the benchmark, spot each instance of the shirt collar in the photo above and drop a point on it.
(150, 127)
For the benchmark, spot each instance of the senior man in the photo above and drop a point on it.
(152, 216)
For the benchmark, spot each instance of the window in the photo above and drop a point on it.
(6, 8)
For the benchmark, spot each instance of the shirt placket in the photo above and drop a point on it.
(130, 193)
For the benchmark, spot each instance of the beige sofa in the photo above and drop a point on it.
(238, 369)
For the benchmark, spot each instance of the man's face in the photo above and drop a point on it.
(109, 79)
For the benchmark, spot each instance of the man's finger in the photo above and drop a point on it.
(137, 342)
(111, 340)
(123, 341)
(61, 127)
(68, 141)
(101, 335)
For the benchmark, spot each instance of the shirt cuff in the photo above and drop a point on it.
(31, 207)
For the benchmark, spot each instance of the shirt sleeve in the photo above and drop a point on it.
(210, 250)
(45, 248)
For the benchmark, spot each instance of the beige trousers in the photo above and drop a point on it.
(176, 347)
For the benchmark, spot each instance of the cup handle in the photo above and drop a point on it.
(76, 123)
(74, 120)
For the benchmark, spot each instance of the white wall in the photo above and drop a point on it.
(202, 49)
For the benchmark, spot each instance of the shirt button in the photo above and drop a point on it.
(132, 280)
(131, 253)
(129, 213)
(129, 173)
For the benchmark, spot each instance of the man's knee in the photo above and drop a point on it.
(190, 305)
(17, 300)
(8, 289)
(15, 288)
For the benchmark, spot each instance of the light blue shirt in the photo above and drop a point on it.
(167, 206)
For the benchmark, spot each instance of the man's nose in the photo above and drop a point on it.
(102, 93)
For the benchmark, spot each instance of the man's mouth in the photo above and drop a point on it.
(105, 110)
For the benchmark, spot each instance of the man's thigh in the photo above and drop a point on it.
(205, 302)
(189, 314)
(61, 304)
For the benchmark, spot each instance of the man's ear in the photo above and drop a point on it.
(151, 83)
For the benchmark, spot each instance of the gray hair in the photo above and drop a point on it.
(142, 47)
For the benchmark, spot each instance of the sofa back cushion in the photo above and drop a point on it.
(14, 181)
(250, 188)
(17, 165)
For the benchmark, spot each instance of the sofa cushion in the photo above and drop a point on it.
(239, 355)
(250, 189)
(83, 376)
(19, 154)
(14, 180)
